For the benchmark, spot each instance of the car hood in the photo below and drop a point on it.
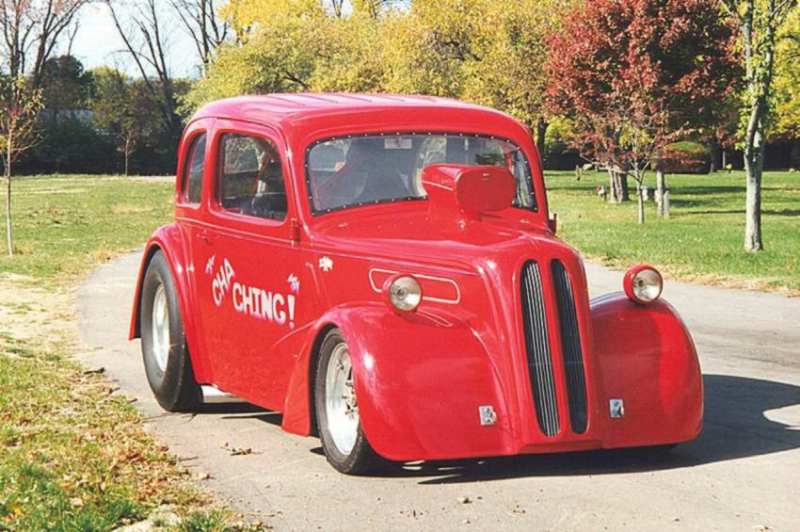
(418, 236)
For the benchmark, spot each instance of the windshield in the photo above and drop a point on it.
(353, 171)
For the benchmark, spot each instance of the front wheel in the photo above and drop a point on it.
(166, 357)
(338, 423)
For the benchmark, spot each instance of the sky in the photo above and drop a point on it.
(98, 43)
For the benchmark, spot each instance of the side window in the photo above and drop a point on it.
(193, 183)
(251, 177)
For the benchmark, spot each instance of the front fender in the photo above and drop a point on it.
(174, 245)
(647, 358)
(419, 379)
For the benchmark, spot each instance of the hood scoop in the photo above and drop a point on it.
(465, 193)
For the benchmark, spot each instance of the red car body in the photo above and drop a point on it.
(420, 377)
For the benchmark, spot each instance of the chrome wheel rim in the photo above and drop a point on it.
(340, 400)
(160, 322)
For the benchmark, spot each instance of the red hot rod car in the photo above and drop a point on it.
(382, 270)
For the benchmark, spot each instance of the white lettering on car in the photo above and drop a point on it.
(253, 301)
(222, 282)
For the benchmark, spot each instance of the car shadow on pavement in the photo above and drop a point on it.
(735, 427)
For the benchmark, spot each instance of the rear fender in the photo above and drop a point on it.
(419, 380)
(647, 358)
(172, 243)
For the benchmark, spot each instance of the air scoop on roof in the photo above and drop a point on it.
(468, 191)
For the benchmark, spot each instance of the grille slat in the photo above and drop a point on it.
(537, 347)
(571, 348)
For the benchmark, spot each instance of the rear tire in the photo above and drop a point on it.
(164, 351)
(338, 423)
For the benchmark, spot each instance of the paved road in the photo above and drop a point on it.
(742, 474)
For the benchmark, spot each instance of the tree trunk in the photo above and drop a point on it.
(541, 136)
(714, 152)
(724, 159)
(623, 187)
(9, 226)
(754, 167)
(617, 186)
(640, 196)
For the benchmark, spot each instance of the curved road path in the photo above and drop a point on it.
(743, 473)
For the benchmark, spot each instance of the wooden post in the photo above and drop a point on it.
(661, 184)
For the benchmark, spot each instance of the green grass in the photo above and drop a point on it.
(73, 455)
(64, 225)
(703, 239)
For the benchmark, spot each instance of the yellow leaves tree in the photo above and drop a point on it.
(787, 81)
(483, 51)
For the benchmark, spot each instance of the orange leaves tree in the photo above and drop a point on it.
(634, 75)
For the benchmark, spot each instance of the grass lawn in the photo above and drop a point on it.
(65, 225)
(703, 239)
(74, 455)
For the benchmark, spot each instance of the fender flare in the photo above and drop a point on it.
(418, 394)
(647, 357)
(172, 243)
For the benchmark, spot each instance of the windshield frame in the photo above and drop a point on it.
(533, 208)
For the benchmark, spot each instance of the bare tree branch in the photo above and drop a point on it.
(146, 25)
(202, 23)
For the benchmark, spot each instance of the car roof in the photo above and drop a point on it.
(276, 108)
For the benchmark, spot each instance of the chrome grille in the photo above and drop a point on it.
(537, 347)
(571, 348)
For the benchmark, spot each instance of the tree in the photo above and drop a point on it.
(65, 85)
(760, 22)
(294, 45)
(30, 31)
(482, 51)
(20, 104)
(201, 20)
(124, 111)
(510, 75)
(786, 125)
(635, 75)
(145, 42)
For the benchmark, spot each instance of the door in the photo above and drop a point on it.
(252, 265)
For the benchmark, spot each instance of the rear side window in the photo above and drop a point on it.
(251, 178)
(194, 169)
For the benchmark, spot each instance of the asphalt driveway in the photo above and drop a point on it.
(742, 474)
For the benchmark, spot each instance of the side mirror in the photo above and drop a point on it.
(552, 223)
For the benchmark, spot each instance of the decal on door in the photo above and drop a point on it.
(269, 305)
(210, 265)
(326, 264)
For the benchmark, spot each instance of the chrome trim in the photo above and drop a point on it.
(215, 396)
(379, 290)
(537, 348)
(571, 349)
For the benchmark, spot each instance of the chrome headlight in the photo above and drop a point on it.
(643, 284)
(405, 293)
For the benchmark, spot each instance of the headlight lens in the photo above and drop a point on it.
(405, 293)
(643, 284)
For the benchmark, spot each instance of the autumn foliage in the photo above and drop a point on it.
(635, 75)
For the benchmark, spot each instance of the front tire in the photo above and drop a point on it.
(338, 422)
(166, 356)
